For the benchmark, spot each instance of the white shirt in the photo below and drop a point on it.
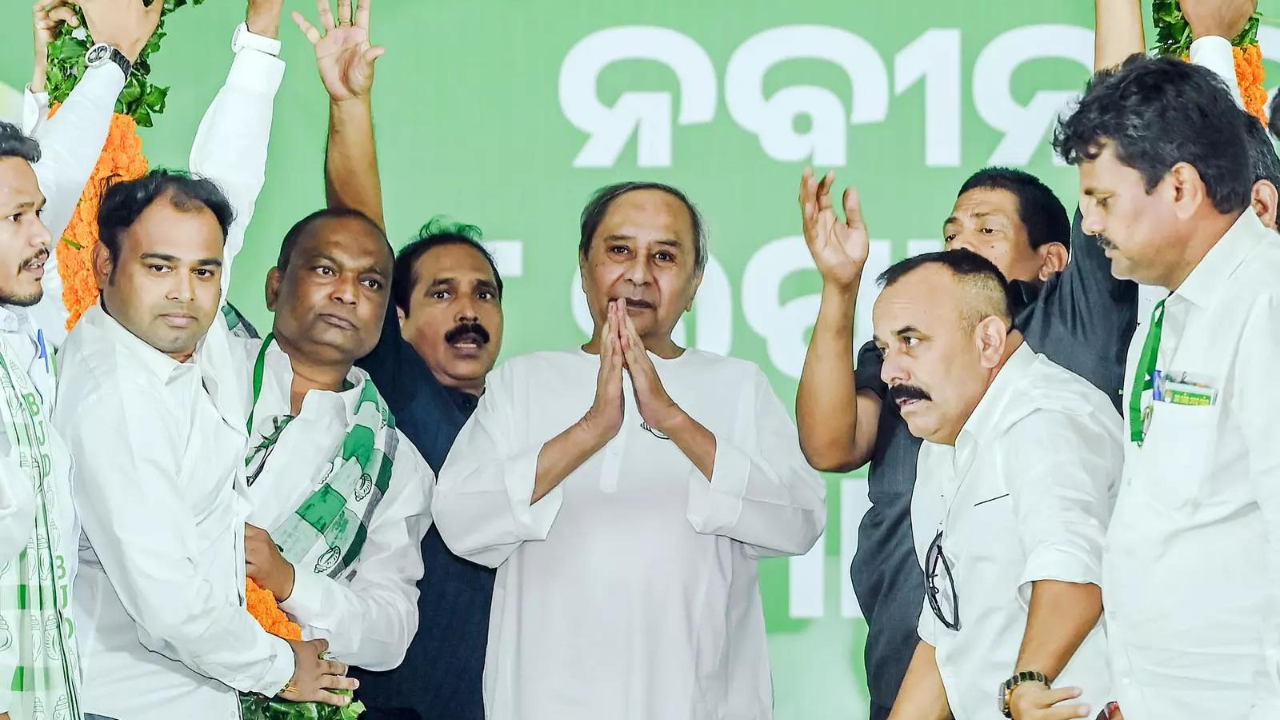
(1192, 564)
(1024, 495)
(630, 591)
(370, 614)
(159, 449)
(70, 144)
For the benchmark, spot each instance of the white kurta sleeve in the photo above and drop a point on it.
(762, 491)
(1214, 53)
(231, 145)
(482, 500)
(126, 456)
(70, 144)
(17, 509)
(1255, 397)
(1068, 468)
(370, 619)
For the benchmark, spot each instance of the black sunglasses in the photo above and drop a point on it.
(933, 559)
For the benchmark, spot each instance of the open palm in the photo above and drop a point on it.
(344, 54)
(839, 248)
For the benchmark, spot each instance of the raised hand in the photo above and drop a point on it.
(839, 248)
(263, 17)
(344, 54)
(604, 419)
(126, 25)
(49, 15)
(264, 563)
(1224, 18)
(656, 407)
(314, 677)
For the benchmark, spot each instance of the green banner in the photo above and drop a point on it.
(507, 114)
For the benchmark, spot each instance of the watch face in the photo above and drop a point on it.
(97, 54)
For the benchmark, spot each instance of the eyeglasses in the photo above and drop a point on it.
(945, 605)
(257, 460)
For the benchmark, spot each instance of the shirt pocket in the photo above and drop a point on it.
(1178, 454)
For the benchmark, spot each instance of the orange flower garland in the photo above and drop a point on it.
(1250, 75)
(263, 607)
(121, 158)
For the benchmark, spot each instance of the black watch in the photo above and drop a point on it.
(1006, 688)
(102, 53)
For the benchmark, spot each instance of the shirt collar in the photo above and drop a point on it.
(114, 334)
(989, 416)
(278, 382)
(1211, 275)
(14, 319)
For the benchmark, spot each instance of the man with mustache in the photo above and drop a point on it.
(440, 338)
(1073, 312)
(1019, 465)
(626, 512)
(1190, 564)
(153, 414)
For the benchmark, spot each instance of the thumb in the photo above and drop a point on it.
(853, 208)
(373, 54)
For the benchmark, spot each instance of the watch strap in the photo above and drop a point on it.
(1006, 688)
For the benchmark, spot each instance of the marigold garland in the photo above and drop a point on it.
(262, 605)
(1251, 76)
(121, 158)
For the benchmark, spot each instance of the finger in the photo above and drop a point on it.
(804, 182)
(64, 14)
(332, 667)
(1066, 712)
(320, 645)
(313, 35)
(363, 12)
(339, 682)
(1057, 695)
(328, 698)
(372, 54)
(153, 13)
(853, 208)
(326, 14)
(824, 190)
(344, 12)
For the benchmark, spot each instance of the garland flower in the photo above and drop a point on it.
(1173, 37)
(262, 605)
(122, 157)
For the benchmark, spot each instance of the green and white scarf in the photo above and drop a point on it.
(326, 533)
(35, 622)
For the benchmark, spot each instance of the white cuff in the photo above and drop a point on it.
(1060, 564)
(532, 522)
(307, 597)
(281, 671)
(715, 506)
(35, 110)
(256, 72)
(1214, 53)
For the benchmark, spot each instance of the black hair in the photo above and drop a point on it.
(593, 214)
(970, 269)
(125, 201)
(1273, 115)
(13, 143)
(1156, 113)
(1040, 211)
(300, 229)
(1262, 153)
(438, 232)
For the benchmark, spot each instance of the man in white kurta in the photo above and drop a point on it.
(367, 609)
(630, 591)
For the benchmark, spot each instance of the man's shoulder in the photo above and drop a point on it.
(1049, 393)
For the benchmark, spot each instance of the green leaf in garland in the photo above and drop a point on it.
(155, 99)
(72, 243)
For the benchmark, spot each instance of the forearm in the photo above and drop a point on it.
(826, 401)
(563, 454)
(1061, 615)
(1118, 32)
(922, 695)
(696, 442)
(351, 160)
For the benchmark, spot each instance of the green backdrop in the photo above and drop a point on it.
(508, 113)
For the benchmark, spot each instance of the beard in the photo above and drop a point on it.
(21, 300)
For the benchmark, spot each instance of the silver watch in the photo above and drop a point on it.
(102, 53)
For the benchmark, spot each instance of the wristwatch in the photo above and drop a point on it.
(244, 38)
(102, 53)
(1006, 688)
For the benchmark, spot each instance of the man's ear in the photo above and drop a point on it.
(274, 277)
(991, 335)
(1053, 259)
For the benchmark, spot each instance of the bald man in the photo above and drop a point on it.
(1014, 487)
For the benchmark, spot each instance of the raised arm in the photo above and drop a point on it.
(230, 147)
(838, 421)
(1117, 32)
(1214, 24)
(345, 58)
